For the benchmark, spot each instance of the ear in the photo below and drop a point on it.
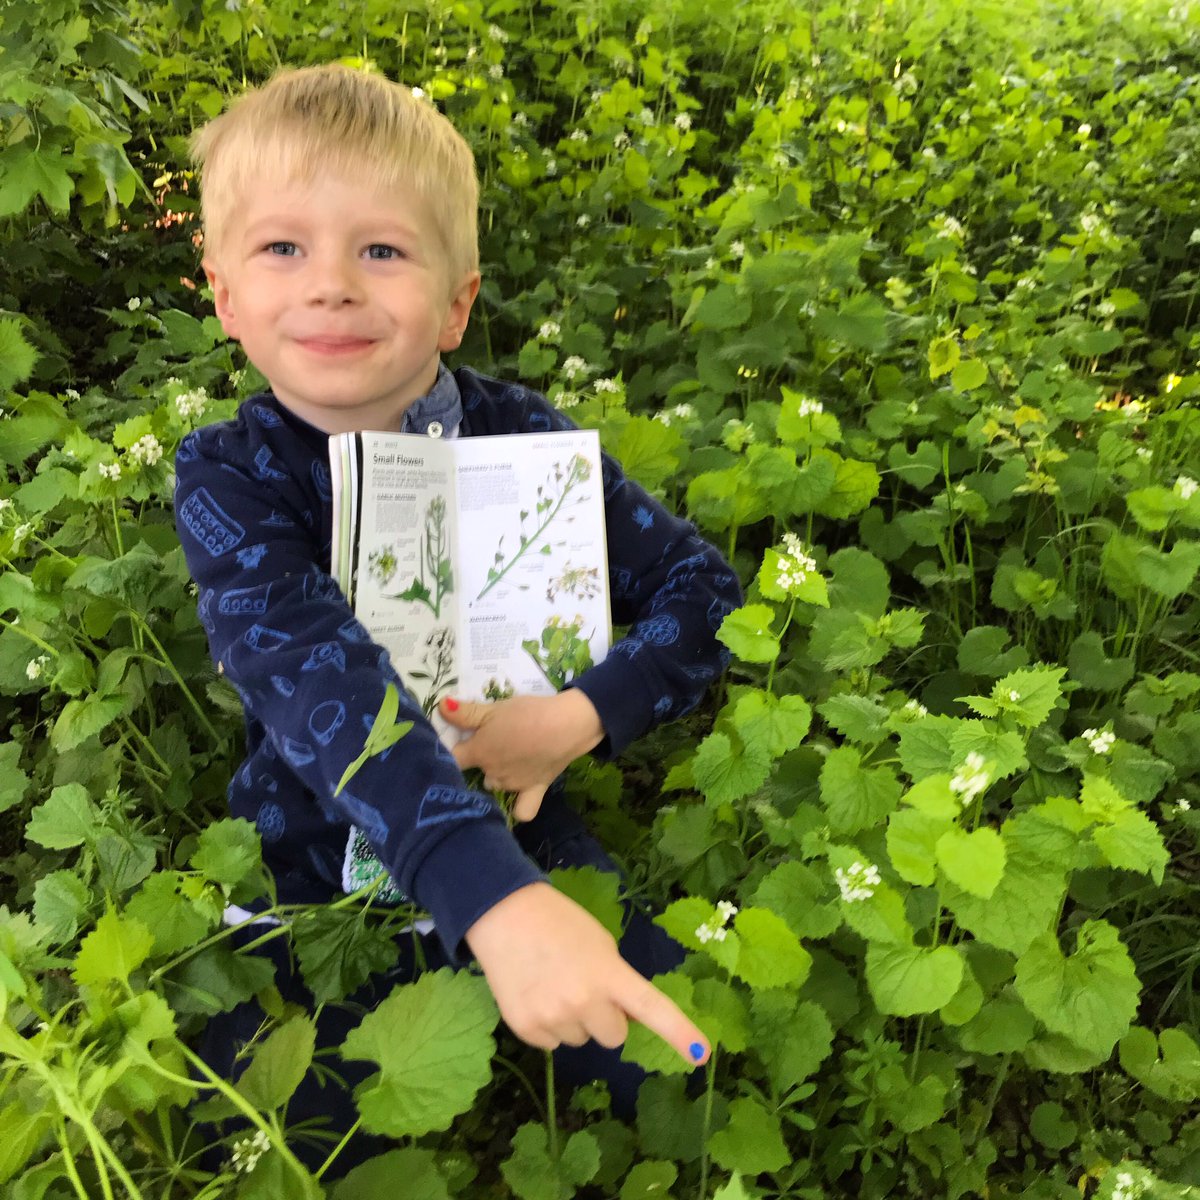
(222, 301)
(458, 313)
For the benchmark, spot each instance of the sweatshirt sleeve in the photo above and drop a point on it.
(670, 586)
(281, 631)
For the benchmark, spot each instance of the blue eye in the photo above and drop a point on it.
(286, 249)
(381, 251)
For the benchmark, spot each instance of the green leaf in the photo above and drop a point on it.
(532, 1174)
(857, 718)
(725, 772)
(747, 632)
(925, 746)
(770, 954)
(1049, 1125)
(339, 950)
(228, 851)
(791, 1037)
(649, 1180)
(906, 980)
(113, 950)
(170, 914)
(1002, 1026)
(1132, 842)
(1037, 691)
(861, 322)
(968, 374)
(595, 891)
(431, 1074)
(674, 1125)
(795, 892)
(1091, 668)
(856, 797)
(650, 451)
(68, 818)
(974, 861)
(1090, 997)
(859, 582)
(1127, 565)
(1167, 1065)
(60, 904)
(944, 355)
(982, 652)
(26, 172)
(855, 485)
(17, 356)
(377, 1178)
(912, 840)
(643, 1046)
(83, 719)
(772, 724)
(752, 1142)
(279, 1064)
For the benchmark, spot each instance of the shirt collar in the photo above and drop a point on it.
(442, 403)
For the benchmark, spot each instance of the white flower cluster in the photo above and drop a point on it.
(497, 34)
(914, 708)
(737, 248)
(567, 400)
(574, 366)
(1144, 453)
(1126, 1187)
(621, 141)
(35, 667)
(247, 1151)
(680, 412)
(549, 331)
(134, 303)
(1014, 696)
(607, 385)
(1186, 487)
(193, 403)
(1100, 740)
(946, 226)
(795, 564)
(737, 435)
(683, 122)
(810, 408)
(971, 779)
(146, 450)
(110, 470)
(857, 883)
(495, 71)
(713, 930)
(1182, 806)
(577, 135)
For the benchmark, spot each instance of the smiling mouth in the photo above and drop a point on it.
(335, 345)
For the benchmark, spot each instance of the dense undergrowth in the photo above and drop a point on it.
(898, 302)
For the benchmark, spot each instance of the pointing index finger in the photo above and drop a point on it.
(644, 1003)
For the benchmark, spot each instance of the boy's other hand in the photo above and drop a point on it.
(558, 977)
(524, 743)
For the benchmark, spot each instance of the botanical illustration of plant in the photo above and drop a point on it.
(551, 496)
(494, 690)
(561, 654)
(435, 578)
(581, 582)
(438, 668)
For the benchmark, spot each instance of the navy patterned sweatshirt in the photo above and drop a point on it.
(254, 512)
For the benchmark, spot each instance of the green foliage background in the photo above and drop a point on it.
(913, 282)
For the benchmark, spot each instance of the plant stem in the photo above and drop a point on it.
(709, 1091)
(551, 1109)
(337, 1149)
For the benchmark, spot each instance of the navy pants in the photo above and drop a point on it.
(555, 838)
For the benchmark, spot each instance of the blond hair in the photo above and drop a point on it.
(336, 119)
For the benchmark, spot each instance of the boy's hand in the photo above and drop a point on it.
(558, 977)
(523, 744)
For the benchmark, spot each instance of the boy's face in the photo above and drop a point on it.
(341, 297)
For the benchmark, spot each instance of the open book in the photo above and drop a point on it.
(478, 563)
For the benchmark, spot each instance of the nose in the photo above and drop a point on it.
(331, 280)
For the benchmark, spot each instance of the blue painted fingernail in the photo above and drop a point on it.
(697, 1051)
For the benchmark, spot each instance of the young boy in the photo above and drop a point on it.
(340, 243)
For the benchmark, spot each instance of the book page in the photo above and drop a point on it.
(405, 590)
(533, 566)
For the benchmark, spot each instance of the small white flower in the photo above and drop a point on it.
(621, 141)
(418, 93)
(810, 408)
(134, 303)
(930, 153)
(1183, 806)
(193, 403)
(709, 263)
(857, 883)
(704, 933)
(521, 120)
(1084, 130)
(574, 366)
(583, 220)
(549, 331)
(1014, 696)
(1186, 487)
(497, 34)
(551, 167)
(567, 400)
(21, 532)
(495, 71)
(35, 667)
(577, 135)
(737, 435)
(607, 385)
(1144, 453)
(946, 226)
(247, 1151)
(1100, 740)
(737, 248)
(71, 394)
(726, 911)
(683, 121)
(914, 708)
(683, 411)
(971, 779)
(146, 450)
(5, 504)
(646, 116)
(110, 470)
